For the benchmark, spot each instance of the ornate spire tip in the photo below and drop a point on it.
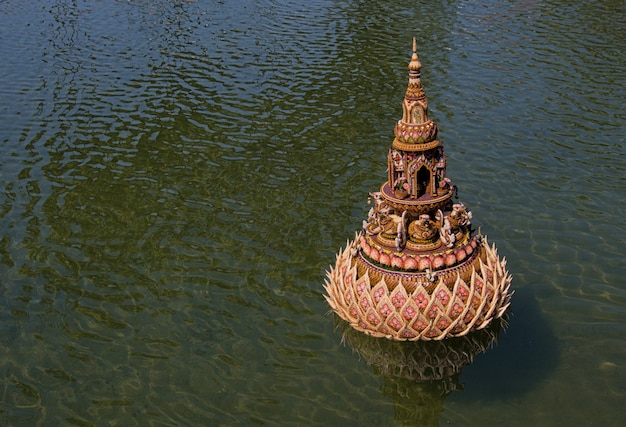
(415, 64)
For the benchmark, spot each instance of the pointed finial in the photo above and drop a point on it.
(415, 92)
(415, 64)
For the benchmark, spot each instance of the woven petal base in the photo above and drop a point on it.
(451, 307)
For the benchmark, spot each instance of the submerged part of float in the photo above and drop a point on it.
(418, 270)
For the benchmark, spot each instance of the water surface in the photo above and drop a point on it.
(176, 177)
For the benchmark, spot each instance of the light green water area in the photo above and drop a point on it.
(177, 176)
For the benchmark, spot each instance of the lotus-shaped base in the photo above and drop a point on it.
(445, 306)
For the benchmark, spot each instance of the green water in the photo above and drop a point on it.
(176, 177)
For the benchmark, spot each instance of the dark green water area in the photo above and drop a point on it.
(177, 176)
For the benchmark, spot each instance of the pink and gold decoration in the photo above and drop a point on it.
(418, 270)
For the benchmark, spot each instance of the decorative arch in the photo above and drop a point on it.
(423, 179)
(418, 112)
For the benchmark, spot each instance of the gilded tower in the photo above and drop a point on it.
(418, 269)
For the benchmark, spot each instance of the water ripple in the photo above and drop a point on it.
(177, 175)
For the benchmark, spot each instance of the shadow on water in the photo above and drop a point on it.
(527, 353)
(418, 377)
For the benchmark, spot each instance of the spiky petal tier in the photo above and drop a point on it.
(432, 307)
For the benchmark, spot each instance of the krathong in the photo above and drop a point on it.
(418, 269)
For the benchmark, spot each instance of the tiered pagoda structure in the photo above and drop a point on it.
(418, 270)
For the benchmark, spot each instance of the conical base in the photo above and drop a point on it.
(450, 307)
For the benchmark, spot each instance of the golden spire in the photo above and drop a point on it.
(415, 105)
(415, 64)
(414, 91)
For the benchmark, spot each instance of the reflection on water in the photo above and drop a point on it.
(176, 177)
(418, 376)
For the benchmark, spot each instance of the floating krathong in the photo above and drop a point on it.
(418, 270)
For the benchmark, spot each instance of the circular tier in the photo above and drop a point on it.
(412, 280)
(424, 204)
(414, 146)
(383, 252)
(415, 132)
